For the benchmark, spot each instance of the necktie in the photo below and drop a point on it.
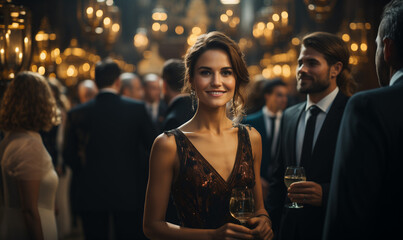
(308, 136)
(272, 131)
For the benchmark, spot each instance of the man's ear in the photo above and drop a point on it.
(336, 69)
(388, 48)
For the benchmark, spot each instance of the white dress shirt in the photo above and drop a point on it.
(323, 105)
(396, 76)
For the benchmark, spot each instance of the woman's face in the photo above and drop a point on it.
(214, 80)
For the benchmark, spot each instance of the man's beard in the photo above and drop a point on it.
(315, 86)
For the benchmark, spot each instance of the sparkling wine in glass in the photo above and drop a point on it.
(242, 204)
(294, 174)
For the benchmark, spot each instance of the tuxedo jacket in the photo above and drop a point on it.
(257, 121)
(107, 144)
(366, 186)
(307, 222)
(178, 112)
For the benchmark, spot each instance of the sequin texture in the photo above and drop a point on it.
(200, 194)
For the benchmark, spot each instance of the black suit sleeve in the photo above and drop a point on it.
(357, 173)
(70, 145)
(277, 189)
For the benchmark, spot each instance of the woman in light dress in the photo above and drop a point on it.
(28, 176)
(200, 162)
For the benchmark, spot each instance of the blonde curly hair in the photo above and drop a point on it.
(28, 104)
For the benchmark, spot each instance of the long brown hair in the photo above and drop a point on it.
(334, 50)
(218, 40)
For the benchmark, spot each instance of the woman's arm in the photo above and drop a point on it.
(29, 192)
(262, 221)
(164, 163)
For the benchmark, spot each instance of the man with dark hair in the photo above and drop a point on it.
(267, 123)
(179, 105)
(308, 137)
(107, 143)
(365, 191)
(131, 86)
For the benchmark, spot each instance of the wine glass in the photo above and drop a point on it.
(242, 204)
(294, 174)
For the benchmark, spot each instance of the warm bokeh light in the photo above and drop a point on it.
(270, 25)
(260, 25)
(286, 70)
(107, 21)
(345, 37)
(224, 18)
(115, 27)
(196, 30)
(276, 17)
(284, 14)
(164, 27)
(90, 10)
(156, 27)
(353, 26)
(295, 41)
(99, 13)
(41, 70)
(277, 69)
(86, 67)
(179, 30)
(354, 47)
(229, 12)
(42, 55)
(363, 47)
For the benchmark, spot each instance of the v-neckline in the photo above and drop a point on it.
(208, 164)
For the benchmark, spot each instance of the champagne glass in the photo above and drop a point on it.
(294, 174)
(242, 204)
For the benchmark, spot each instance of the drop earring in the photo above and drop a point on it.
(193, 98)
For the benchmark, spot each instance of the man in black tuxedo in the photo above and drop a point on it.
(308, 137)
(364, 200)
(107, 143)
(267, 123)
(179, 105)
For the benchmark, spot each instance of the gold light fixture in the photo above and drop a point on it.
(76, 64)
(15, 39)
(99, 20)
(320, 10)
(45, 52)
(273, 23)
(140, 40)
(159, 24)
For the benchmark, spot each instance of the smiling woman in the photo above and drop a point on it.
(200, 162)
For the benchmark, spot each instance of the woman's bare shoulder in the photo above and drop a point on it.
(254, 135)
(164, 148)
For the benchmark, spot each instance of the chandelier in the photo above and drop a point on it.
(320, 10)
(272, 23)
(46, 53)
(76, 64)
(15, 39)
(100, 21)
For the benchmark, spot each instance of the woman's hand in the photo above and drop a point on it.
(262, 227)
(232, 231)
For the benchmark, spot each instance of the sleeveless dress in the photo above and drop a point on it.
(24, 157)
(199, 193)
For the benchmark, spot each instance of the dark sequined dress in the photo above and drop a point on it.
(200, 194)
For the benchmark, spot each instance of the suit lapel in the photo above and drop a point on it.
(332, 121)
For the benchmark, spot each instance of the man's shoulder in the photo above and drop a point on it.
(292, 110)
(253, 116)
